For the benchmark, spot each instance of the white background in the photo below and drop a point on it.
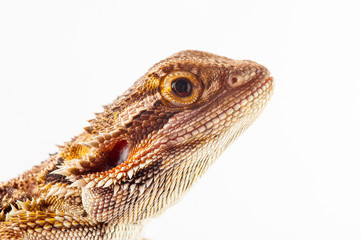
(295, 174)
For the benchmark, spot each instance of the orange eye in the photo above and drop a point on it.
(181, 88)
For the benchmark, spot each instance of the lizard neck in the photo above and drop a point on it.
(124, 231)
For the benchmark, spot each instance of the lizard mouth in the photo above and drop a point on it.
(117, 155)
(110, 159)
(107, 163)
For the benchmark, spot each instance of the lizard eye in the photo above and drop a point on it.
(180, 88)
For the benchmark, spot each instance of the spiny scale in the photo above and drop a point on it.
(141, 154)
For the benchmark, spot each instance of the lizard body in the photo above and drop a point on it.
(141, 154)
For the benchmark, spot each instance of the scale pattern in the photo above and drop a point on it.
(141, 154)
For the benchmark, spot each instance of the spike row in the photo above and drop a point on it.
(92, 181)
(102, 138)
(22, 207)
(106, 179)
(39, 221)
(96, 181)
(61, 190)
(140, 187)
(76, 166)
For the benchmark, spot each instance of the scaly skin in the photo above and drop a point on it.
(141, 154)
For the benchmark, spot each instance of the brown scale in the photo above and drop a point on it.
(103, 198)
(152, 176)
(147, 122)
(26, 186)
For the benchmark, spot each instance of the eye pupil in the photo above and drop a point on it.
(182, 87)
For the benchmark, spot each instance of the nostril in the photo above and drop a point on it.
(235, 80)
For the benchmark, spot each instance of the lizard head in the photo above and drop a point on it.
(150, 145)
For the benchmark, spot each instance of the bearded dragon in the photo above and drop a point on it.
(141, 154)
